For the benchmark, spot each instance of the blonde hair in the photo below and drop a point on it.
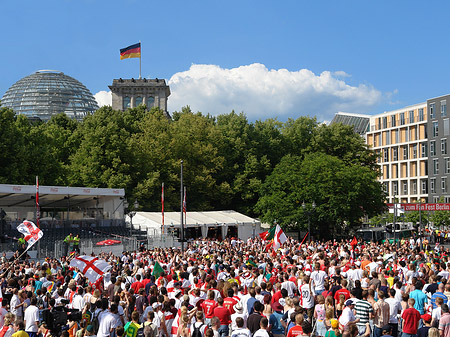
(433, 332)
(9, 318)
(329, 314)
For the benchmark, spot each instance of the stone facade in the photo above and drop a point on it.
(130, 93)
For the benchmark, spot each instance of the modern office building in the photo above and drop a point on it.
(412, 143)
(46, 93)
(400, 139)
(439, 156)
(130, 93)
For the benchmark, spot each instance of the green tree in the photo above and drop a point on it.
(343, 193)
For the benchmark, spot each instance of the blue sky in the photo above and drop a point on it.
(270, 59)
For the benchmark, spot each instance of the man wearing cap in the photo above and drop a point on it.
(423, 331)
(348, 317)
(238, 312)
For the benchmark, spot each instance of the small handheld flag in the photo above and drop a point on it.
(31, 232)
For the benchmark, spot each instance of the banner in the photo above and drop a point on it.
(422, 207)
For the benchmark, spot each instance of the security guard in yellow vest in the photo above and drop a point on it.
(76, 243)
(67, 242)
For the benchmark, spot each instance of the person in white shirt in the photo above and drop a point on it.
(16, 305)
(78, 300)
(348, 317)
(395, 308)
(262, 332)
(199, 324)
(31, 318)
(238, 313)
(107, 322)
(318, 278)
(289, 286)
(307, 297)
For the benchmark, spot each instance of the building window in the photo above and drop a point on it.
(414, 148)
(405, 188)
(393, 121)
(443, 108)
(444, 184)
(384, 122)
(405, 152)
(424, 150)
(435, 166)
(414, 187)
(435, 200)
(388, 137)
(447, 165)
(402, 118)
(126, 102)
(385, 155)
(446, 124)
(411, 116)
(421, 117)
(432, 116)
(386, 187)
(443, 146)
(394, 188)
(395, 153)
(432, 148)
(139, 100)
(424, 187)
(150, 101)
(433, 185)
(435, 129)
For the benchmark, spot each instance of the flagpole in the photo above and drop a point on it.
(140, 58)
(38, 215)
(162, 207)
(181, 210)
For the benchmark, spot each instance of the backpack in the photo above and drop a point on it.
(140, 332)
(95, 322)
(197, 332)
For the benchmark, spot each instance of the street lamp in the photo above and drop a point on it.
(313, 206)
(131, 214)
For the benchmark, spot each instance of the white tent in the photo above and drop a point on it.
(152, 222)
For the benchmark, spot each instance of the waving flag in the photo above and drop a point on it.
(157, 270)
(31, 232)
(131, 51)
(268, 235)
(279, 238)
(90, 266)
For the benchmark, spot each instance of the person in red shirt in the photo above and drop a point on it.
(137, 285)
(411, 318)
(224, 316)
(229, 302)
(344, 291)
(296, 330)
(208, 307)
(277, 294)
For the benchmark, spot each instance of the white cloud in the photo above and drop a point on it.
(262, 93)
(103, 98)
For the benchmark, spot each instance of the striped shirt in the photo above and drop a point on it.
(363, 309)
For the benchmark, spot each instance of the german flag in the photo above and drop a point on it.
(131, 51)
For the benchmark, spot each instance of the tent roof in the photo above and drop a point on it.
(212, 218)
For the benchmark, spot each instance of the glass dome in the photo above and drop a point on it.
(48, 92)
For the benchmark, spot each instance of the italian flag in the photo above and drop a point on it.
(279, 238)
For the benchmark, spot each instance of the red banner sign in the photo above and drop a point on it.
(422, 207)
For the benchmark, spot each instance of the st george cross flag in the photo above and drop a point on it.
(31, 231)
(90, 266)
(279, 238)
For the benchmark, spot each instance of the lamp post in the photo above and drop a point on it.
(131, 214)
(313, 207)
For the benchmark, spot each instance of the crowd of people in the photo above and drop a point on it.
(235, 288)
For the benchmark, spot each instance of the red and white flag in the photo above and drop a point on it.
(31, 231)
(1, 297)
(90, 266)
(279, 238)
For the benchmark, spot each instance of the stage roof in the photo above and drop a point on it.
(53, 196)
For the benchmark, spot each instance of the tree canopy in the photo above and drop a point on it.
(264, 168)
